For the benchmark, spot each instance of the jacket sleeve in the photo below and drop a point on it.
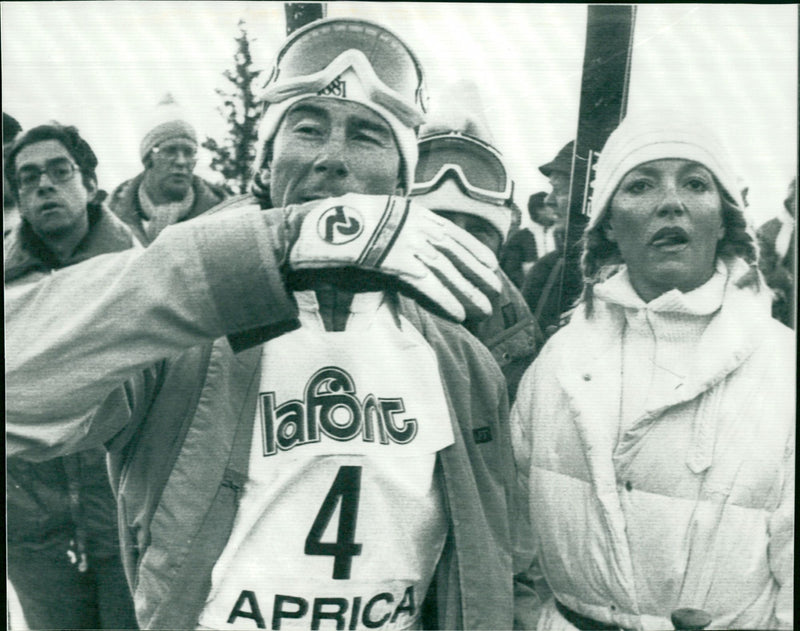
(530, 587)
(80, 341)
(781, 543)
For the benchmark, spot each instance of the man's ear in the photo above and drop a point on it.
(91, 187)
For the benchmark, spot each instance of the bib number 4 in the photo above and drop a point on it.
(347, 486)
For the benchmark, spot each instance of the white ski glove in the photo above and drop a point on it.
(396, 236)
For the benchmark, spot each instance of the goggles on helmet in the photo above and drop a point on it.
(315, 57)
(476, 166)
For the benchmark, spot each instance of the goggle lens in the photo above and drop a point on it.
(480, 170)
(316, 47)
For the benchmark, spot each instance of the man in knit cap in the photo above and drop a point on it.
(296, 441)
(167, 191)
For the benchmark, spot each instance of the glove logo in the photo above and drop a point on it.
(339, 225)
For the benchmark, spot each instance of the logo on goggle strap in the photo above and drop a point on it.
(339, 225)
(337, 87)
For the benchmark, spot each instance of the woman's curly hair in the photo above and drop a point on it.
(601, 257)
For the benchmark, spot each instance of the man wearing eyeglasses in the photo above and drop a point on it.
(167, 191)
(63, 546)
(295, 440)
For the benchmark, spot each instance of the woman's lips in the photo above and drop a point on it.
(670, 239)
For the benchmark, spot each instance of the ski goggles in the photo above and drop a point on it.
(314, 59)
(476, 166)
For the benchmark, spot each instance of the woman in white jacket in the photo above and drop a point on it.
(654, 435)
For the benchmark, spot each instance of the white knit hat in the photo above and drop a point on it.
(167, 121)
(656, 136)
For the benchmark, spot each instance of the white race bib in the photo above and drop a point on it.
(341, 522)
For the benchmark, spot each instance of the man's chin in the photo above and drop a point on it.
(175, 192)
(53, 230)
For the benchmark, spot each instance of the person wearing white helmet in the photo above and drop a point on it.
(461, 177)
(654, 434)
(295, 441)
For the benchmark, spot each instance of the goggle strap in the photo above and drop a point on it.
(461, 137)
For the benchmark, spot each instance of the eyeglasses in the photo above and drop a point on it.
(173, 152)
(476, 166)
(58, 170)
(315, 56)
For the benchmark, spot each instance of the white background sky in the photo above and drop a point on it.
(103, 66)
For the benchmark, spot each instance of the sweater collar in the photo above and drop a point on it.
(176, 210)
(702, 301)
(730, 337)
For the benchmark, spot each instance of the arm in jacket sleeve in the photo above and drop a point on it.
(76, 335)
(80, 341)
(530, 587)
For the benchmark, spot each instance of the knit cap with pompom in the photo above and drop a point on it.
(166, 122)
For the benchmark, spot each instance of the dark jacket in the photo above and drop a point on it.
(511, 334)
(520, 248)
(543, 286)
(65, 503)
(125, 203)
(778, 273)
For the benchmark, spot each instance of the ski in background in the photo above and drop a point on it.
(603, 100)
(299, 14)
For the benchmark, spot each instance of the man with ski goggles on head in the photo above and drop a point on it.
(295, 442)
(463, 178)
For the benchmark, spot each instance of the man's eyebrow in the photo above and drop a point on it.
(307, 109)
(367, 124)
(177, 142)
(34, 164)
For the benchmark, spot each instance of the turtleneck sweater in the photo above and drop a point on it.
(659, 338)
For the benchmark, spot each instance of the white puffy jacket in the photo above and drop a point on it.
(695, 505)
